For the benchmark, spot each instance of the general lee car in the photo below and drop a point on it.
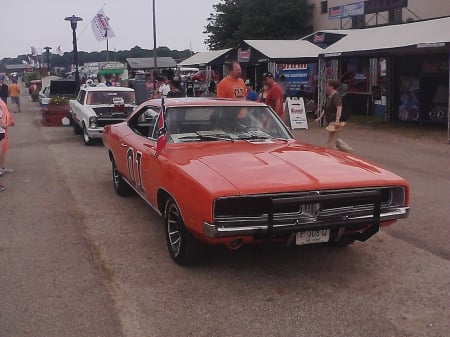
(226, 172)
(97, 106)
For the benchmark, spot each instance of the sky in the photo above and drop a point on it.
(179, 24)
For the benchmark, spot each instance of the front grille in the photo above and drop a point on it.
(312, 208)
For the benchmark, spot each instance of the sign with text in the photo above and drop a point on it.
(297, 113)
(346, 11)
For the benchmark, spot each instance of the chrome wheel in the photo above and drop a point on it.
(183, 247)
(87, 140)
(120, 186)
(173, 229)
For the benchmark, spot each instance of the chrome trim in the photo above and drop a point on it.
(214, 231)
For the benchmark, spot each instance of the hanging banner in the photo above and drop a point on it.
(295, 108)
(100, 26)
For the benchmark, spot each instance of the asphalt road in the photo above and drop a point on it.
(78, 260)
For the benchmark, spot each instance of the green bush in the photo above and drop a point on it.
(59, 100)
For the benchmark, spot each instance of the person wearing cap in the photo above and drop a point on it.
(274, 97)
(3, 90)
(232, 86)
(252, 95)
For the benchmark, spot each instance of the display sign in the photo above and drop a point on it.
(295, 108)
(376, 6)
(244, 55)
(346, 11)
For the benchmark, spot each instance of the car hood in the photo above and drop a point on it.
(279, 167)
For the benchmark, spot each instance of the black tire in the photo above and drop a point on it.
(120, 185)
(76, 129)
(183, 247)
(86, 139)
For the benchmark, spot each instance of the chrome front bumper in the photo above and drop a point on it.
(218, 231)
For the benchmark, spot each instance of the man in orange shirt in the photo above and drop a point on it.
(14, 93)
(232, 86)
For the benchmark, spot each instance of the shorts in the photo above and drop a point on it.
(15, 100)
(2, 136)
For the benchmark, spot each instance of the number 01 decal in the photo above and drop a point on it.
(134, 160)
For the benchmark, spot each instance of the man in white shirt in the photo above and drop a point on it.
(164, 88)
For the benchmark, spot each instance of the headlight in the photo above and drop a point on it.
(92, 122)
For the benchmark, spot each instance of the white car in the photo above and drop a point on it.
(97, 106)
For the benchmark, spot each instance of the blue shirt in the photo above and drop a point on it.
(252, 95)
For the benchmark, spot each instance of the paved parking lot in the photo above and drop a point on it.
(77, 260)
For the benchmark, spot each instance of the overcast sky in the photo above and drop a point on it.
(179, 24)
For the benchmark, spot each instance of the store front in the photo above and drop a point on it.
(422, 88)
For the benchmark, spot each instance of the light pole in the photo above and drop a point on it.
(47, 50)
(155, 59)
(73, 24)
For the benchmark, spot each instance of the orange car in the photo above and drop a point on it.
(228, 172)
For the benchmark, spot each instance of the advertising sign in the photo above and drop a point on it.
(295, 108)
(346, 11)
(244, 55)
(296, 76)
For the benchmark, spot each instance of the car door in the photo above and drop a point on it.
(139, 149)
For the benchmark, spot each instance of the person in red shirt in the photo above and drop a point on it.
(274, 97)
(233, 85)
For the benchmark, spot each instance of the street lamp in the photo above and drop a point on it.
(47, 50)
(73, 24)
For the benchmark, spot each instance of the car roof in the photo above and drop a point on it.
(202, 101)
(105, 88)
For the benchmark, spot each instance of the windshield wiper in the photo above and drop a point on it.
(207, 135)
(214, 135)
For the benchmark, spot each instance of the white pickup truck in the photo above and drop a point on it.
(97, 106)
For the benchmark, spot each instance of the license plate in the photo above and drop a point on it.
(312, 236)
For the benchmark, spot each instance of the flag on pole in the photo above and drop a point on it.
(162, 130)
(100, 26)
(59, 51)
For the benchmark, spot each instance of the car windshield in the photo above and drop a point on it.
(226, 123)
(107, 97)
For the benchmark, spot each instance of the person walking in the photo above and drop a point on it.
(14, 93)
(332, 112)
(3, 90)
(232, 86)
(5, 121)
(274, 97)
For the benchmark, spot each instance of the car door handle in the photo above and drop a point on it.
(123, 144)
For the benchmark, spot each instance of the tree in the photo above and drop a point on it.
(237, 20)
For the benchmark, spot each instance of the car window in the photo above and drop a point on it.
(144, 121)
(81, 96)
(107, 97)
(223, 122)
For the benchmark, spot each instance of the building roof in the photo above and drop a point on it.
(203, 58)
(285, 49)
(147, 62)
(429, 33)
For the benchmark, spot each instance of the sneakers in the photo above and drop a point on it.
(2, 188)
(6, 170)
